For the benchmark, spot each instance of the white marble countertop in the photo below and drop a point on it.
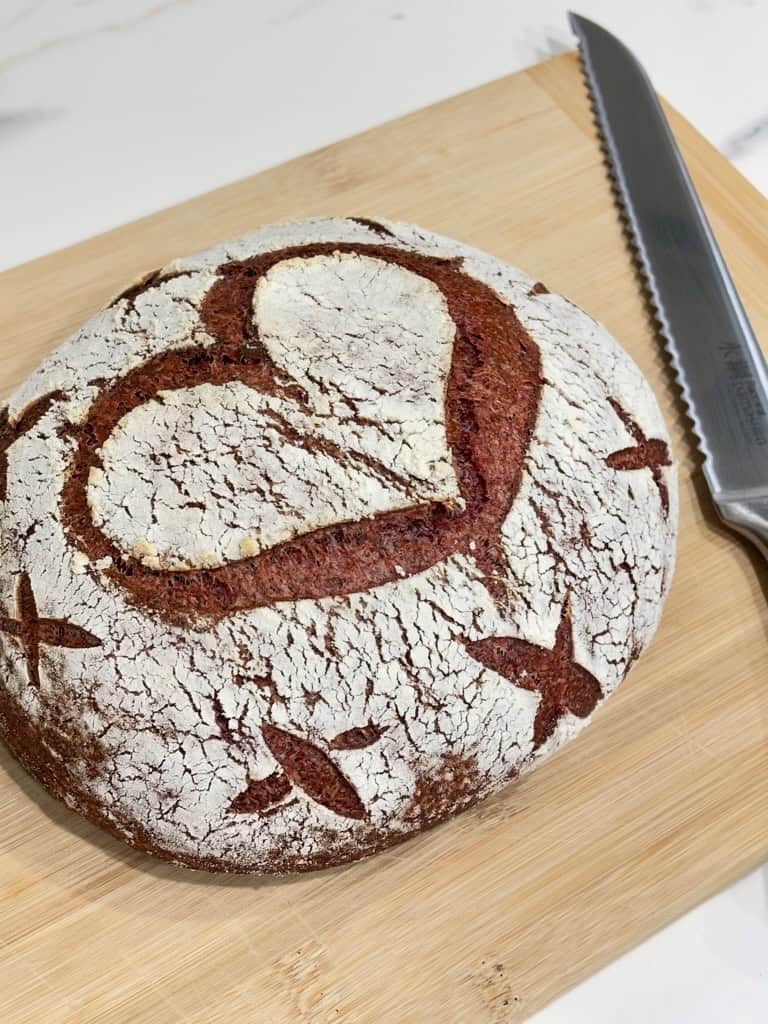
(112, 109)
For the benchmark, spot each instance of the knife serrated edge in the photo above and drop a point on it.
(745, 510)
(632, 233)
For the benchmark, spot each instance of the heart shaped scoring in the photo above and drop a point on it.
(490, 402)
(198, 477)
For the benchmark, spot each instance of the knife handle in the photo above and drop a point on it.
(749, 516)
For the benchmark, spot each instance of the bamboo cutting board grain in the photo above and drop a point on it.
(660, 803)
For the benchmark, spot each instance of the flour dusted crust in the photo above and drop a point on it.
(317, 537)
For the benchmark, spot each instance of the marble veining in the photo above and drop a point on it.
(747, 139)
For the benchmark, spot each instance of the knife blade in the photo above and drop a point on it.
(720, 368)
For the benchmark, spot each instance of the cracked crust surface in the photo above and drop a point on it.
(317, 537)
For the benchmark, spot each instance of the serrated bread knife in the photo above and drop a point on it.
(721, 371)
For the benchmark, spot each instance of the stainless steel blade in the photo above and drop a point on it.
(720, 368)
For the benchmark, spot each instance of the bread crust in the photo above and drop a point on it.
(316, 538)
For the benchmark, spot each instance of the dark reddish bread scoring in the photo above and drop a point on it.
(490, 405)
(319, 537)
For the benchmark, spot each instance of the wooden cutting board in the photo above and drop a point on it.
(660, 803)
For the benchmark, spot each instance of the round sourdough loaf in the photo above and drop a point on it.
(318, 537)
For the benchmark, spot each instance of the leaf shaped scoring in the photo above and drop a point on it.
(25, 599)
(33, 631)
(648, 453)
(357, 738)
(64, 634)
(261, 794)
(314, 772)
(563, 684)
